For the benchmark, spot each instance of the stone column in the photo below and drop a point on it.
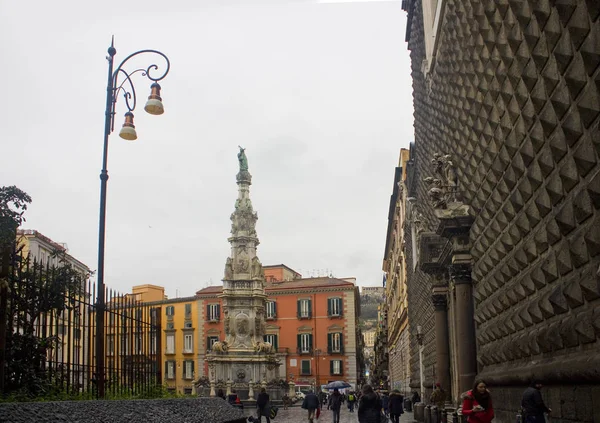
(442, 346)
(228, 387)
(292, 392)
(465, 325)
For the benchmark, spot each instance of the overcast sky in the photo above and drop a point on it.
(318, 92)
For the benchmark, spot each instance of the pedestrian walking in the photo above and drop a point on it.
(396, 405)
(385, 401)
(310, 403)
(477, 404)
(415, 398)
(286, 401)
(263, 406)
(351, 401)
(533, 405)
(335, 405)
(369, 406)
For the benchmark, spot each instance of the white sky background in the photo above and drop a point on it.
(319, 94)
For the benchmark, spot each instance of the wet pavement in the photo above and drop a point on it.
(298, 415)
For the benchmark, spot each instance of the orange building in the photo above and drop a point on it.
(311, 322)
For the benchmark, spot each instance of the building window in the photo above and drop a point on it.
(272, 339)
(210, 341)
(305, 367)
(304, 343)
(170, 310)
(271, 310)
(188, 343)
(335, 343)
(335, 367)
(124, 345)
(187, 325)
(334, 307)
(170, 369)
(138, 343)
(304, 309)
(124, 321)
(187, 391)
(213, 312)
(188, 310)
(170, 344)
(153, 343)
(188, 369)
(110, 345)
(170, 325)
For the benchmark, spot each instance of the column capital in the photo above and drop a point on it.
(439, 300)
(460, 273)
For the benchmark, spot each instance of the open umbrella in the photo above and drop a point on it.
(339, 384)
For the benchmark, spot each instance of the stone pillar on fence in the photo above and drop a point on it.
(292, 392)
(250, 390)
(228, 387)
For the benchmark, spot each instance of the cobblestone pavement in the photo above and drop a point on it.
(298, 415)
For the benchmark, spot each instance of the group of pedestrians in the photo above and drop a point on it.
(375, 407)
(478, 408)
(371, 407)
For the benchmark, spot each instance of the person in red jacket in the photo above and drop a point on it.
(477, 404)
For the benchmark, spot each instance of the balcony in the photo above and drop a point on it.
(304, 351)
(333, 351)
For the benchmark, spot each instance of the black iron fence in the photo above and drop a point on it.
(48, 334)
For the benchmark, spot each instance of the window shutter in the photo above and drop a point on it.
(341, 302)
(310, 309)
(341, 367)
(299, 310)
(218, 311)
(276, 339)
(329, 342)
(274, 309)
(299, 342)
(329, 306)
(331, 367)
(342, 343)
(310, 344)
(208, 343)
(207, 311)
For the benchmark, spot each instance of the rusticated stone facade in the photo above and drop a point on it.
(511, 91)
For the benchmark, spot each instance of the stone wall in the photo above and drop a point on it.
(514, 97)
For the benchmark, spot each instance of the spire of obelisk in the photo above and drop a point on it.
(243, 264)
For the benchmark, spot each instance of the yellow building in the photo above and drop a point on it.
(180, 342)
(394, 266)
(71, 327)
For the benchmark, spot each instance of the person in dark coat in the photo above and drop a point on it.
(310, 403)
(415, 398)
(262, 405)
(477, 404)
(396, 405)
(335, 404)
(221, 394)
(369, 406)
(533, 404)
(385, 402)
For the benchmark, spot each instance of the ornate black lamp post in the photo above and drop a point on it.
(119, 81)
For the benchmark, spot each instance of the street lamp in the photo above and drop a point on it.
(154, 106)
(420, 338)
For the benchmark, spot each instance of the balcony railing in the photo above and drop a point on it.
(304, 351)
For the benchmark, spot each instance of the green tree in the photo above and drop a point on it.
(32, 296)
